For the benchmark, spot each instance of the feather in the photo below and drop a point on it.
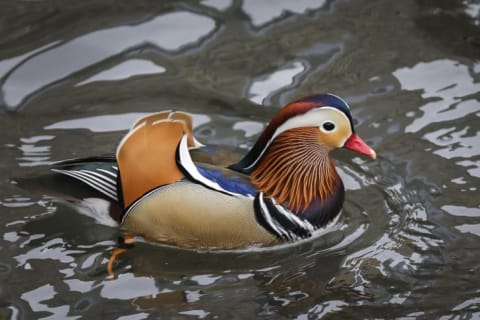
(158, 166)
(296, 170)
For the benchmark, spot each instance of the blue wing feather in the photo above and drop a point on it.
(231, 182)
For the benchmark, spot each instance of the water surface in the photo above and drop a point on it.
(73, 77)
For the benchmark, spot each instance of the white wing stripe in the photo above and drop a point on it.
(88, 175)
(95, 183)
(88, 181)
(187, 163)
(114, 175)
(108, 181)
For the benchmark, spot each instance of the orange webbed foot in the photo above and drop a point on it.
(124, 243)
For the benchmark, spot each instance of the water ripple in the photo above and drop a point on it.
(449, 84)
(32, 75)
(125, 70)
(264, 12)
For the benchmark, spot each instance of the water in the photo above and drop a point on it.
(74, 76)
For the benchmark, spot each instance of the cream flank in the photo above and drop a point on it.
(218, 221)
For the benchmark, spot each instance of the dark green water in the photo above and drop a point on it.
(74, 75)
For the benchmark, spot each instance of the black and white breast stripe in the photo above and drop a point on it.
(280, 221)
(102, 180)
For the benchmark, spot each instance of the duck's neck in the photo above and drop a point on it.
(297, 172)
(250, 161)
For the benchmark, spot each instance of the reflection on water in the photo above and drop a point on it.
(43, 294)
(105, 123)
(139, 287)
(411, 222)
(263, 12)
(37, 71)
(450, 86)
(473, 10)
(125, 70)
(218, 4)
(113, 122)
(250, 128)
(462, 211)
(272, 83)
(34, 154)
(8, 65)
(448, 81)
(469, 228)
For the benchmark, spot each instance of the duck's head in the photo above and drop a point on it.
(290, 161)
(324, 118)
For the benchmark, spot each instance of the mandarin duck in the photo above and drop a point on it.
(282, 190)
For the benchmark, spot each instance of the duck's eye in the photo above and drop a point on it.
(328, 126)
